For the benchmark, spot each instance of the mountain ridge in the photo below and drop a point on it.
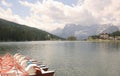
(82, 32)
(10, 31)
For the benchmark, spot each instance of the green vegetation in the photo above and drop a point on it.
(117, 33)
(105, 36)
(72, 38)
(10, 31)
(95, 36)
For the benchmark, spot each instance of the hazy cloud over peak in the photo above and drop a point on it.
(50, 14)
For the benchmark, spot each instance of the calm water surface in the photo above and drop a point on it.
(71, 58)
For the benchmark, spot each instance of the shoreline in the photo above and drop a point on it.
(101, 40)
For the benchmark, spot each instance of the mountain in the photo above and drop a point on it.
(111, 29)
(82, 32)
(79, 31)
(10, 31)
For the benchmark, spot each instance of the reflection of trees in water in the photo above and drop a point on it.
(9, 47)
(110, 46)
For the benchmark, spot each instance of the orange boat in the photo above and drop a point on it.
(19, 65)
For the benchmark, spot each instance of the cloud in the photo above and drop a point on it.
(105, 11)
(80, 2)
(86, 12)
(50, 14)
(6, 3)
(8, 15)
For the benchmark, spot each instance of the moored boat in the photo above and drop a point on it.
(20, 65)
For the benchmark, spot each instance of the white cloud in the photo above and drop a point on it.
(80, 2)
(50, 14)
(105, 11)
(8, 15)
(6, 3)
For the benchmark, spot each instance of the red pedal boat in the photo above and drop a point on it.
(20, 65)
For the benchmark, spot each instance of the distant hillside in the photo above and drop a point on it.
(82, 31)
(111, 29)
(78, 31)
(10, 31)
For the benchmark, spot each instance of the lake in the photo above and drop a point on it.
(77, 58)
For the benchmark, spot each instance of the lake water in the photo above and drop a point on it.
(71, 58)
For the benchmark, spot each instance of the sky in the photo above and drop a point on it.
(51, 14)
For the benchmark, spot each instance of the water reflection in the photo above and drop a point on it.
(71, 58)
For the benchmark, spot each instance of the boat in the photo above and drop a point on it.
(20, 65)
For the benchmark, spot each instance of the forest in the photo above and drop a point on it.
(10, 31)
